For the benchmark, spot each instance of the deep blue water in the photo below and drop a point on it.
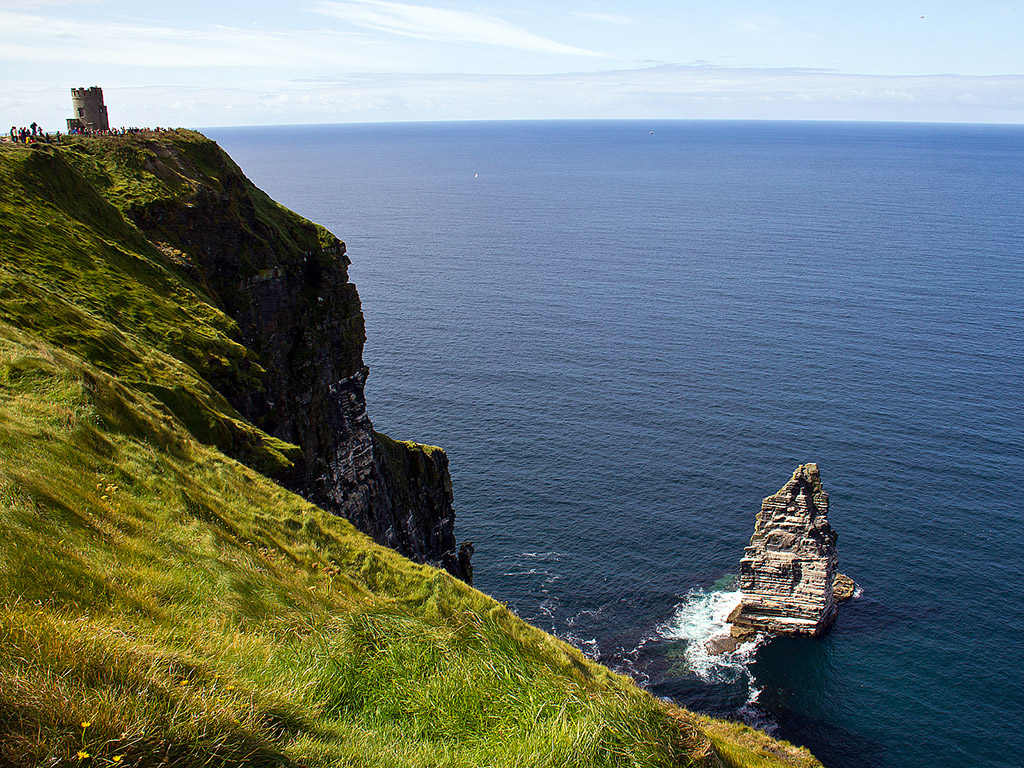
(625, 339)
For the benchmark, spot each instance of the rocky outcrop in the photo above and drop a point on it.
(285, 282)
(787, 571)
(843, 587)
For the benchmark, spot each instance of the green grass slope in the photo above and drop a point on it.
(75, 272)
(164, 602)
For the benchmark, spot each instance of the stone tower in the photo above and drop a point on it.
(89, 110)
(787, 571)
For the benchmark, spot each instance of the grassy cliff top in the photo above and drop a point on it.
(164, 602)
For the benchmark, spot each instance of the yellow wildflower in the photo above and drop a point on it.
(86, 723)
(116, 758)
(82, 754)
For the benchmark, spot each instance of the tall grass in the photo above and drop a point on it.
(163, 604)
(186, 606)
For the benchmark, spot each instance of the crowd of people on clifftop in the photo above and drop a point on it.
(25, 135)
(33, 133)
(115, 131)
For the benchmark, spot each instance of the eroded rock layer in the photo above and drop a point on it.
(787, 571)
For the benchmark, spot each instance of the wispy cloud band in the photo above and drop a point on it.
(443, 25)
(27, 38)
(670, 92)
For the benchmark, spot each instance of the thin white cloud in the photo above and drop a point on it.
(757, 24)
(34, 39)
(23, 5)
(665, 92)
(606, 18)
(443, 25)
(670, 92)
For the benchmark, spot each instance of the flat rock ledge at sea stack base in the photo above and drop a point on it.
(788, 570)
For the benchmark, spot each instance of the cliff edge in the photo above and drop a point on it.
(289, 357)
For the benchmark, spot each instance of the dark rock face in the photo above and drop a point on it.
(721, 644)
(285, 282)
(787, 571)
(459, 563)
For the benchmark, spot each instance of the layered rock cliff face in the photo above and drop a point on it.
(787, 571)
(285, 281)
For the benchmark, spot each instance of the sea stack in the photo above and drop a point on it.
(787, 571)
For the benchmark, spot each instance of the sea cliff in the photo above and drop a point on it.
(285, 282)
(291, 361)
(177, 351)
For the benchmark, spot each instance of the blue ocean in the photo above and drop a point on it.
(627, 333)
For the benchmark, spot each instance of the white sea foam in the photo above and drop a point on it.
(543, 555)
(529, 572)
(753, 715)
(701, 618)
(548, 606)
(588, 646)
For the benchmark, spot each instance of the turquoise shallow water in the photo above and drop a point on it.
(625, 339)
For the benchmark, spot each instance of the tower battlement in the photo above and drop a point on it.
(89, 111)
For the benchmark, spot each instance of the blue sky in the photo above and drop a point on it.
(324, 61)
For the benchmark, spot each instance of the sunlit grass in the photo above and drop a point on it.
(163, 602)
(182, 604)
(740, 746)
